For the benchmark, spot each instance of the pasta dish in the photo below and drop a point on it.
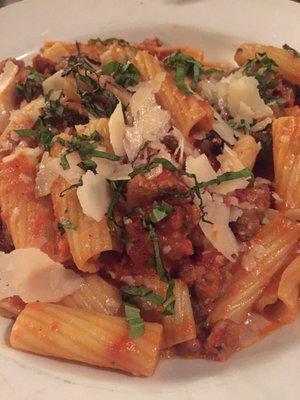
(149, 200)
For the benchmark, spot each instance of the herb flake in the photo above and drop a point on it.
(66, 224)
(124, 74)
(187, 66)
(135, 321)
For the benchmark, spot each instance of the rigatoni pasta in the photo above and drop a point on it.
(95, 235)
(101, 340)
(288, 63)
(286, 133)
(96, 296)
(188, 113)
(269, 250)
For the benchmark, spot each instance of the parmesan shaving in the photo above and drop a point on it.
(223, 129)
(32, 275)
(116, 126)
(218, 231)
(55, 82)
(151, 123)
(94, 195)
(121, 173)
(50, 169)
(244, 101)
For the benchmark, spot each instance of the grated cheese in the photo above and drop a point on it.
(32, 275)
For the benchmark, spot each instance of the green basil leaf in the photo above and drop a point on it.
(136, 323)
(88, 165)
(107, 156)
(25, 133)
(111, 67)
(160, 211)
(142, 292)
(66, 224)
(169, 303)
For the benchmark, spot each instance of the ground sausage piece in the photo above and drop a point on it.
(207, 276)
(223, 340)
(170, 142)
(43, 65)
(141, 190)
(258, 199)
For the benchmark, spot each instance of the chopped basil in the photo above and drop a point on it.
(53, 107)
(142, 292)
(160, 211)
(228, 176)
(66, 224)
(144, 168)
(157, 263)
(187, 66)
(294, 52)
(98, 101)
(169, 302)
(145, 294)
(32, 86)
(86, 146)
(136, 323)
(41, 133)
(117, 189)
(108, 41)
(77, 64)
(165, 163)
(243, 124)
(264, 69)
(75, 185)
(124, 74)
(107, 156)
(88, 165)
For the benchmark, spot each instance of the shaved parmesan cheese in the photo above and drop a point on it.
(230, 163)
(218, 232)
(104, 167)
(45, 176)
(237, 94)
(32, 275)
(235, 213)
(26, 151)
(229, 160)
(244, 101)
(181, 144)
(8, 75)
(121, 173)
(50, 169)
(259, 126)
(72, 174)
(133, 142)
(201, 167)
(151, 123)
(54, 82)
(116, 126)
(94, 195)
(223, 129)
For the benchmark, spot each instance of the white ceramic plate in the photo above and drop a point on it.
(269, 370)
